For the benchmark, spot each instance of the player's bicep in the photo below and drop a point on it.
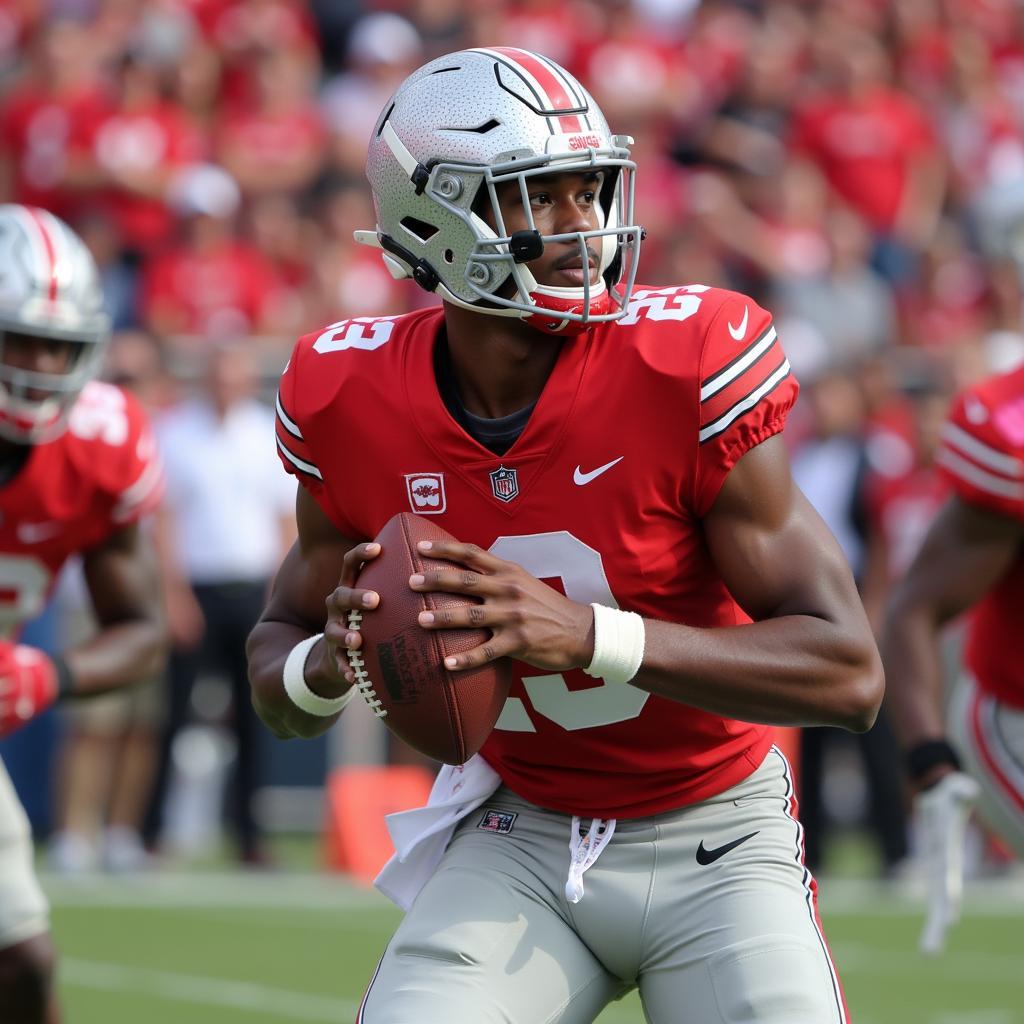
(311, 569)
(771, 547)
(122, 577)
(964, 554)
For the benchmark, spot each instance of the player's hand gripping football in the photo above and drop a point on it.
(944, 808)
(528, 619)
(338, 637)
(28, 685)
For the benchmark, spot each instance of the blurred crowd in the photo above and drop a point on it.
(855, 165)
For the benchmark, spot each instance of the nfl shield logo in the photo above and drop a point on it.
(504, 483)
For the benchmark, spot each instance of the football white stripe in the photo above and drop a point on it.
(306, 467)
(957, 437)
(978, 477)
(744, 404)
(730, 373)
(286, 421)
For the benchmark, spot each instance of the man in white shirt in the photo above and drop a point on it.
(231, 518)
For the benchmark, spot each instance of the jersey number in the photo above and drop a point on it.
(562, 556)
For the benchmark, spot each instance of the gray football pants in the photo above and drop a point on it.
(491, 939)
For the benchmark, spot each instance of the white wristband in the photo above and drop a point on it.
(618, 644)
(298, 690)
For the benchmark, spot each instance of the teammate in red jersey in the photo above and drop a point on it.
(78, 467)
(596, 447)
(970, 558)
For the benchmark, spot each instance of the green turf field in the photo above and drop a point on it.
(284, 948)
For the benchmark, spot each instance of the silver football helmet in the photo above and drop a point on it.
(460, 126)
(49, 288)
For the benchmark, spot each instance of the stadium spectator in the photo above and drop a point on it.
(875, 146)
(57, 91)
(231, 515)
(212, 284)
(124, 157)
(274, 145)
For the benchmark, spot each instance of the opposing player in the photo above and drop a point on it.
(596, 448)
(971, 558)
(77, 470)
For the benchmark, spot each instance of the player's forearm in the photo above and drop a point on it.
(910, 651)
(792, 670)
(268, 648)
(120, 655)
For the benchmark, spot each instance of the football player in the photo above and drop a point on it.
(609, 458)
(78, 468)
(970, 558)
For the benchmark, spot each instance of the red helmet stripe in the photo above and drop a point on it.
(36, 217)
(558, 94)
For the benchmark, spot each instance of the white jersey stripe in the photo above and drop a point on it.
(957, 437)
(136, 495)
(715, 384)
(744, 404)
(286, 421)
(978, 477)
(300, 464)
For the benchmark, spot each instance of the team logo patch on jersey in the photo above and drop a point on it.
(498, 821)
(426, 493)
(504, 484)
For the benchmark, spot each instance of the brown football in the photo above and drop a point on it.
(400, 668)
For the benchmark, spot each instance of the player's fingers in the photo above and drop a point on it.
(342, 600)
(473, 616)
(354, 560)
(456, 581)
(487, 652)
(471, 555)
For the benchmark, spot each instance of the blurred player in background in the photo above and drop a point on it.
(78, 468)
(622, 445)
(970, 558)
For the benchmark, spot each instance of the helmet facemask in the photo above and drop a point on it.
(34, 405)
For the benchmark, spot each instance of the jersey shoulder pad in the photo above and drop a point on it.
(110, 440)
(982, 445)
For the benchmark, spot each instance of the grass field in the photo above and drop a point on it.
(280, 948)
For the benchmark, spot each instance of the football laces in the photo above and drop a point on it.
(363, 682)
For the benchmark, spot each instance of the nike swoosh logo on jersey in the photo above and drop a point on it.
(35, 533)
(580, 478)
(739, 333)
(705, 856)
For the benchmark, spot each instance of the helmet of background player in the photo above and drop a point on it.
(50, 290)
(464, 124)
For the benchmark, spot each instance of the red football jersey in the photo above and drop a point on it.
(72, 493)
(601, 496)
(982, 456)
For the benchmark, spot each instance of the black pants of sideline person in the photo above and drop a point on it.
(230, 610)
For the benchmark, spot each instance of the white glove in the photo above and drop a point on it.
(943, 810)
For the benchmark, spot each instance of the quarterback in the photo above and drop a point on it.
(78, 468)
(970, 558)
(608, 456)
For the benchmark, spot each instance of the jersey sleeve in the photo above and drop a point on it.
(746, 391)
(980, 457)
(135, 481)
(292, 447)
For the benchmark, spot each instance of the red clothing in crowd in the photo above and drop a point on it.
(156, 138)
(865, 148)
(36, 131)
(218, 293)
